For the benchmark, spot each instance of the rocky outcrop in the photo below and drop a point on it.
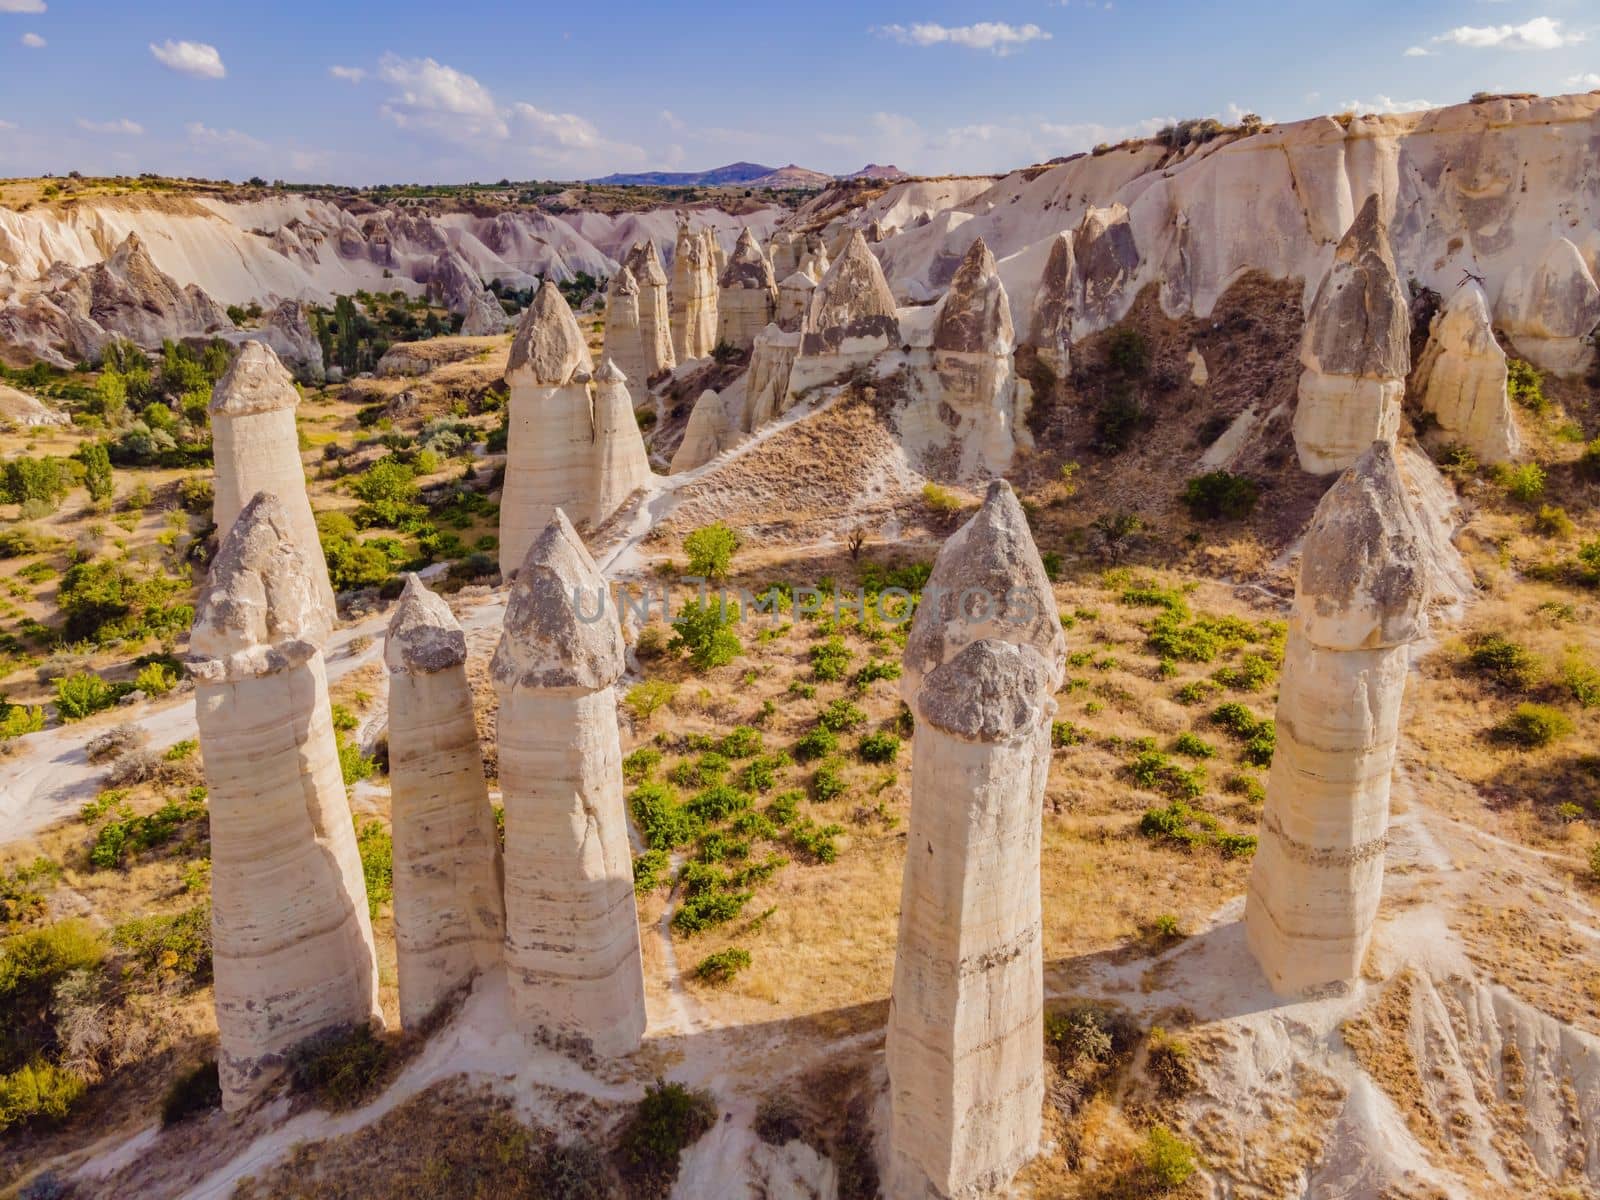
(694, 294)
(78, 311)
(292, 945)
(712, 428)
(814, 257)
(965, 1040)
(550, 436)
(794, 301)
(572, 936)
(621, 464)
(747, 295)
(655, 308)
(767, 380)
(289, 334)
(1462, 379)
(1551, 310)
(1054, 305)
(1355, 353)
(853, 309)
(623, 345)
(26, 411)
(454, 284)
(449, 911)
(256, 448)
(1107, 260)
(1360, 602)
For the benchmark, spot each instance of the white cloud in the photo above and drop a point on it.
(348, 74)
(997, 37)
(120, 126)
(1541, 33)
(22, 6)
(435, 100)
(1385, 105)
(33, 41)
(1589, 79)
(1419, 52)
(671, 119)
(204, 135)
(189, 58)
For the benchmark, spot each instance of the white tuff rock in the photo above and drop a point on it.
(572, 934)
(1551, 310)
(256, 448)
(1462, 378)
(621, 465)
(694, 294)
(1359, 604)
(965, 1041)
(1054, 305)
(747, 296)
(1355, 353)
(711, 430)
(292, 941)
(655, 309)
(449, 911)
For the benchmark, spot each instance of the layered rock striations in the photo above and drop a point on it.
(712, 428)
(572, 935)
(747, 295)
(1054, 305)
(1359, 603)
(1462, 379)
(1355, 353)
(621, 464)
(694, 294)
(292, 941)
(794, 301)
(655, 309)
(965, 1039)
(449, 910)
(256, 448)
(623, 344)
(852, 308)
(550, 438)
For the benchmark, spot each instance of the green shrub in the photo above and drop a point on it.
(1247, 786)
(197, 1090)
(97, 477)
(816, 842)
(708, 904)
(941, 500)
(828, 783)
(1191, 745)
(669, 1119)
(830, 660)
(650, 870)
(722, 966)
(816, 743)
(170, 946)
(705, 631)
(23, 888)
(341, 1070)
(82, 695)
(156, 679)
(42, 481)
(37, 1091)
(1167, 1158)
(1523, 483)
(1525, 385)
(1236, 720)
(711, 550)
(354, 765)
(1119, 417)
(1254, 672)
(1507, 663)
(663, 823)
(1532, 726)
(376, 847)
(1258, 751)
(841, 716)
(876, 669)
(1153, 770)
(1199, 640)
(644, 699)
(1582, 680)
(1065, 733)
(761, 774)
(880, 747)
(389, 494)
(1221, 495)
(717, 803)
(1127, 352)
(19, 719)
(126, 833)
(1594, 862)
(639, 765)
(1552, 522)
(742, 741)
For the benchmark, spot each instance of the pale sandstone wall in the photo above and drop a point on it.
(1462, 378)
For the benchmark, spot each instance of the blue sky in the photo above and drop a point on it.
(402, 91)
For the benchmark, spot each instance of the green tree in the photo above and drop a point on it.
(96, 470)
(704, 631)
(711, 550)
(42, 479)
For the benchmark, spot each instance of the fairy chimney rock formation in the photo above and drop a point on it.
(1359, 603)
(655, 309)
(256, 448)
(794, 301)
(292, 941)
(1107, 260)
(965, 1039)
(449, 913)
(694, 295)
(550, 436)
(1462, 378)
(1551, 311)
(621, 464)
(572, 935)
(853, 309)
(1355, 353)
(623, 344)
(1053, 307)
(747, 296)
(711, 430)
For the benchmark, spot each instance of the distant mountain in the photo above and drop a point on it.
(874, 171)
(792, 176)
(739, 172)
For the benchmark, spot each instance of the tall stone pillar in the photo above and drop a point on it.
(256, 448)
(747, 299)
(292, 941)
(623, 345)
(1355, 352)
(966, 1041)
(621, 465)
(449, 910)
(572, 934)
(549, 459)
(1360, 601)
(655, 309)
(694, 295)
